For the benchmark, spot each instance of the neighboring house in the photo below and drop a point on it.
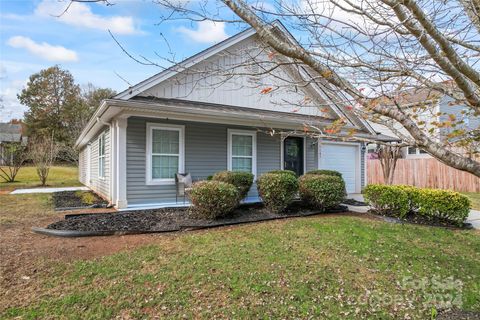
(10, 133)
(430, 107)
(182, 121)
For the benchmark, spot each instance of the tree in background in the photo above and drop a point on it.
(388, 156)
(59, 108)
(43, 151)
(12, 157)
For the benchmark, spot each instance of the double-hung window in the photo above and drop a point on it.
(101, 156)
(242, 151)
(165, 153)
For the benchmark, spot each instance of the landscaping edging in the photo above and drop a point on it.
(77, 233)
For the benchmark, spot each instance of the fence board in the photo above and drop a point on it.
(425, 173)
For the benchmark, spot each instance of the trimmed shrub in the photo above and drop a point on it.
(241, 180)
(322, 191)
(326, 173)
(413, 194)
(284, 172)
(444, 204)
(213, 199)
(387, 200)
(277, 190)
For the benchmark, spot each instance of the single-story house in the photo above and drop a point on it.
(190, 118)
(10, 133)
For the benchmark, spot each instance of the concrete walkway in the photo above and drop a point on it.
(474, 218)
(48, 190)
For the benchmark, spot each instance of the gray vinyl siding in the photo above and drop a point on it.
(82, 166)
(205, 154)
(100, 185)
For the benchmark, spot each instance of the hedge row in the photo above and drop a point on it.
(223, 191)
(430, 203)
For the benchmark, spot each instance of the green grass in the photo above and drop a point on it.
(475, 198)
(59, 176)
(319, 267)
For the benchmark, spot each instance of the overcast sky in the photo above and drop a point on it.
(33, 37)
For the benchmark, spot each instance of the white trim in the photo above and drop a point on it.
(282, 150)
(181, 156)
(113, 162)
(101, 173)
(358, 167)
(88, 168)
(253, 134)
(121, 165)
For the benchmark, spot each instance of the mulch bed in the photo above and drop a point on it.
(174, 219)
(422, 220)
(68, 200)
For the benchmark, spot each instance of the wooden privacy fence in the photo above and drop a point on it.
(425, 173)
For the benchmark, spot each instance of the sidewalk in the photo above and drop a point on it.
(48, 190)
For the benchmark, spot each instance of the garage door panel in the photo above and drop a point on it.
(341, 158)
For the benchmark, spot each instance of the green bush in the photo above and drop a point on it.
(326, 173)
(322, 191)
(387, 200)
(430, 203)
(284, 172)
(241, 180)
(444, 204)
(213, 199)
(277, 190)
(413, 194)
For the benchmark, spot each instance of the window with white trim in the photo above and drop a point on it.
(165, 153)
(242, 153)
(101, 155)
(416, 151)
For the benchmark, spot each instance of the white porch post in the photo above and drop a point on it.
(113, 161)
(121, 163)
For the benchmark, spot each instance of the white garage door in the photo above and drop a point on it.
(342, 158)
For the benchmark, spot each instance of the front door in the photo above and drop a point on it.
(293, 154)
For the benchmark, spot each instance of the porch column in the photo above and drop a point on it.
(113, 161)
(121, 163)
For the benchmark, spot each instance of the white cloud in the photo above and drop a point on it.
(43, 50)
(81, 15)
(206, 32)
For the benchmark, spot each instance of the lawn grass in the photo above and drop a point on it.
(59, 176)
(18, 208)
(475, 198)
(318, 267)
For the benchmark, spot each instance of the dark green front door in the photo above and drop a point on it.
(293, 154)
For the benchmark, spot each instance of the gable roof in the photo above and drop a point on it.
(185, 64)
(324, 91)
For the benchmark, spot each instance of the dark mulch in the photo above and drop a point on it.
(173, 219)
(353, 202)
(74, 199)
(458, 315)
(419, 219)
